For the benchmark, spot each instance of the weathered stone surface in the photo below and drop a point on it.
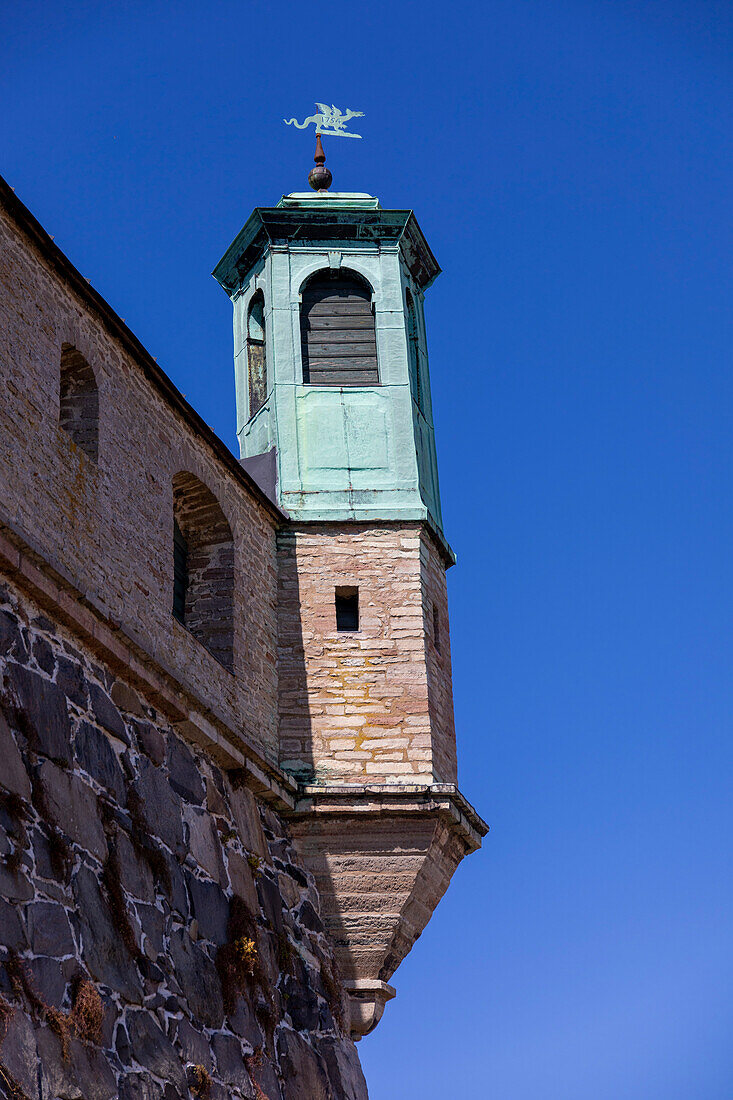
(70, 679)
(151, 741)
(203, 841)
(85, 1075)
(195, 1047)
(126, 699)
(13, 776)
(230, 1065)
(43, 706)
(15, 886)
(9, 633)
(242, 880)
(19, 1054)
(309, 918)
(210, 907)
(183, 772)
(197, 976)
(103, 949)
(134, 871)
(247, 819)
(48, 979)
(301, 1001)
(107, 714)
(139, 1086)
(152, 1049)
(271, 902)
(12, 934)
(343, 1068)
(43, 655)
(49, 931)
(73, 807)
(302, 1070)
(160, 807)
(97, 757)
(152, 922)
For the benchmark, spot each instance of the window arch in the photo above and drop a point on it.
(337, 335)
(203, 567)
(79, 401)
(413, 348)
(256, 353)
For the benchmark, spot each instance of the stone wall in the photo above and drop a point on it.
(107, 525)
(373, 705)
(159, 937)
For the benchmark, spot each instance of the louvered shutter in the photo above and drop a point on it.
(337, 336)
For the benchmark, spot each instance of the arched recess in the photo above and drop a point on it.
(337, 335)
(413, 346)
(79, 401)
(256, 353)
(203, 567)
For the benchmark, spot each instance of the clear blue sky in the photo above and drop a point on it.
(570, 163)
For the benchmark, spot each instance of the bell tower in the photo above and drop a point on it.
(331, 358)
(334, 420)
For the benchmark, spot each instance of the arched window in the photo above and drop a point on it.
(256, 355)
(79, 404)
(413, 347)
(337, 337)
(203, 567)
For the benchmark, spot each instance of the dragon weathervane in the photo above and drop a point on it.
(328, 121)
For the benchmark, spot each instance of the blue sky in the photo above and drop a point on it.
(570, 164)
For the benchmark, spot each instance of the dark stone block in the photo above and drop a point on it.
(86, 1073)
(195, 1047)
(71, 680)
(15, 886)
(210, 907)
(151, 741)
(343, 1068)
(183, 774)
(96, 756)
(243, 1022)
(43, 655)
(13, 776)
(271, 902)
(72, 805)
(152, 922)
(19, 1055)
(301, 1001)
(49, 980)
(177, 895)
(230, 1062)
(104, 952)
(136, 877)
(197, 976)
(107, 714)
(309, 918)
(160, 807)
(11, 929)
(49, 932)
(9, 633)
(139, 1086)
(43, 706)
(302, 1069)
(153, 1050)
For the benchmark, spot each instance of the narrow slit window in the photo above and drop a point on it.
(180, 573)
(436, 627)
(347, 609)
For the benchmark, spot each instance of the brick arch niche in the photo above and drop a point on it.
(204, 567)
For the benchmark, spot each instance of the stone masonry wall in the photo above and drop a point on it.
(371, 705)
(108, 525)
(159, 938)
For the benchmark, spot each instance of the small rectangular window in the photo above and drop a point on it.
(347, 608)
(180, 574)
(436, 627)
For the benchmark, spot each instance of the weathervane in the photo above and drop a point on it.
(328, 121)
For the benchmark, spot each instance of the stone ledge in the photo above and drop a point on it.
(88, 618)
(366, 1004)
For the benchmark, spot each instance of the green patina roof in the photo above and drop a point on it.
(329, 219)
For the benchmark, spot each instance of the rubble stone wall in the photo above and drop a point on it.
(374, 704)
(107, 525)
(159, 938)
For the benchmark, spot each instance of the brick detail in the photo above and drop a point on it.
(375, 704)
